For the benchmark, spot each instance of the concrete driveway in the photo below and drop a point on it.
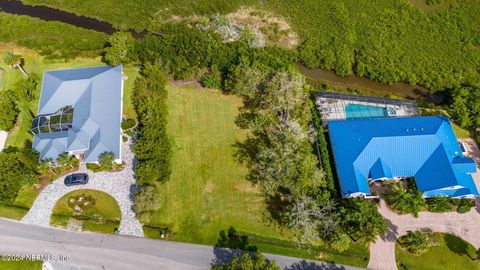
(382, 252)
(120, 185)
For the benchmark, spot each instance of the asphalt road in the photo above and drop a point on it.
(74, 250)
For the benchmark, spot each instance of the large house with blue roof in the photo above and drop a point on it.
(80, 113)
(424, 148)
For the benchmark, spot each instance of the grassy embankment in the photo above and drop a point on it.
(451, 253)
(103, 217)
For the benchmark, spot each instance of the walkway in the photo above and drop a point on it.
(382, 253)
(120, 185)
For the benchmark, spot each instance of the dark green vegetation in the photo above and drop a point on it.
(18, 166)
(106, 163)
(409, 200)
(152, 148)
(450, 252)
(21, 265)
(18, 172)
(388, 41)
(98, 211)
(52, 39)
(405, 200)
(186, 52)
(248, 261)
(418, 242)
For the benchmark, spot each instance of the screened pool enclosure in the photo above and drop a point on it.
(59, 121)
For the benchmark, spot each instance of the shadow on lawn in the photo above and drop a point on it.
(457, 245)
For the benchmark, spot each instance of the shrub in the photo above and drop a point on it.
(106, 161)
(439, 204)
(213, 81)
(465, 205)
(340, 242)
(416, 242)
(128, 124)
(146, 202)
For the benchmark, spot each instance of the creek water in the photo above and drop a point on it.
(51, 14)
(399, 89)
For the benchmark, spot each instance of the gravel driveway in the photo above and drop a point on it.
(120, 185)
(382, 252)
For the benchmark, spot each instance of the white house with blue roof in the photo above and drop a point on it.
(80, 113)
(424, 148)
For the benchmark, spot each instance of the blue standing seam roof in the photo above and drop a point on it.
(421, 147)
(96, 95)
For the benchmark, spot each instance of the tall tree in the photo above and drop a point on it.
(8, 110)
(119, 48)
(361, 220)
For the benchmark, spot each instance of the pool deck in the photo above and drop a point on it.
(333, 109)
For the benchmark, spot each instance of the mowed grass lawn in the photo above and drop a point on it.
(207, 191)
(21, 265)
(451, 253)
(104, 216)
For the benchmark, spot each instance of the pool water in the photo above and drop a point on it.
(357, 111)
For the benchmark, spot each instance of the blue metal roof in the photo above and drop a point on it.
(96, 95)
(421, 147)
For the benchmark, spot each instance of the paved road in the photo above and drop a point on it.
(101, 251)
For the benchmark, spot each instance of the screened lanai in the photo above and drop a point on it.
(59, 121)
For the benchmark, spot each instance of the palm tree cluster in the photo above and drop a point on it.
(405, 201)
(49, 167)
(417, 242)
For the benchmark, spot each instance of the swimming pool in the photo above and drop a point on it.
(358, 111)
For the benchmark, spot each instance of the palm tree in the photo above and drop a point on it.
(65, 160)
(14, 60)
(46, 167)
(405, 201)
(416, 242)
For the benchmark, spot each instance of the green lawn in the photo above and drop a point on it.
(104, 216)
(21, 265)
(207, 191)
(452, 253)
(128, 110)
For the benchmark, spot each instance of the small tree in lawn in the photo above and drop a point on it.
(106, 161)
(14, 60)
(416, 242)
(340, 242)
